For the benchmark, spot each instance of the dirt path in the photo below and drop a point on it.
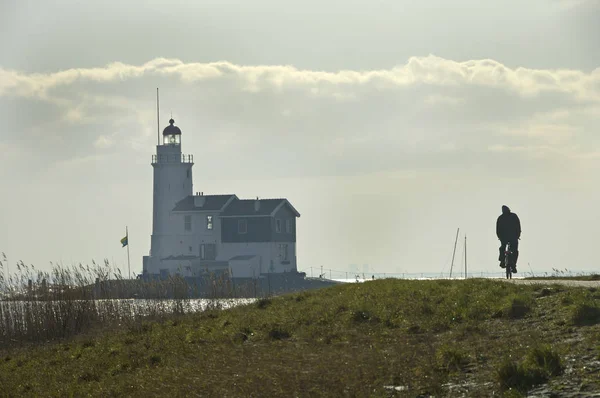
(566, 282)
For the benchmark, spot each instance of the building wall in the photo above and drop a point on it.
(284, 214)
(268, 256)
(289, 264)
(245, 268)
(176, 267)
(268, 252)
(260, 228)
(191, 267)
(188, 267)
(153, 265)
(172, 182)
(178, 241)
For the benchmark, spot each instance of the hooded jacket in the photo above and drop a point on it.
(508, 225)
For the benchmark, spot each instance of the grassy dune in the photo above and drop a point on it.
(379, 338)
(591, 277)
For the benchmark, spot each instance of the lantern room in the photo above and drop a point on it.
(171, 134)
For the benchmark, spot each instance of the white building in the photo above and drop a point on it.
(195, 234)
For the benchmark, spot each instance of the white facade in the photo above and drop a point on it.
(187, 230)
(269, 255)
(182, 242)
(245, 266)
(172, 182)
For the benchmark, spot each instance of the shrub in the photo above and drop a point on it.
(451, 359)
(546, 359)
(518, 376)
(585, 314)
(278, 333)
(517, 308)
(540, 364)
(510, 375)
(239, 337)
(263, 303)
(362, 316)
(155, 360)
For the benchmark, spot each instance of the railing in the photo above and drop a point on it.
(172, 158)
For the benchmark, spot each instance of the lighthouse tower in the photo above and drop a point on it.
(172, 182)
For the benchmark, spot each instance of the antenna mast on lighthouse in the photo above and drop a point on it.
(157, 119)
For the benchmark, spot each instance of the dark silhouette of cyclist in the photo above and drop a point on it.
(508, 230)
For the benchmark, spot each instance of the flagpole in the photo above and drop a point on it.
(128, 265)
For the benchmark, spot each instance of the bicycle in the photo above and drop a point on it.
(507, 254)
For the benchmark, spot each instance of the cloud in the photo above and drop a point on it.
(103, 142)
(280, 120)
(436, 99)
(430, 70)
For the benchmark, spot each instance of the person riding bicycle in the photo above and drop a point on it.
(508, 230)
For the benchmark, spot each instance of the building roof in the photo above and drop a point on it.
(247, 207)
(211, 203)
(171, 129)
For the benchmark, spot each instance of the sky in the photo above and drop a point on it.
(387, 124)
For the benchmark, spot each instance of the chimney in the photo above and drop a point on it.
(199, 200)
(256, 204)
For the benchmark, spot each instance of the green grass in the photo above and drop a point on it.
(347, 340)
(539, 365)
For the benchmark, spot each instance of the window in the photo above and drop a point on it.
(187, 223)
(288, 226)
(190, 248)
(283, 252)
(278, 225)
(209, 222)
(242, 227)
(208, 251)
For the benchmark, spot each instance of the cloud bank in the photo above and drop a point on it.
(428, 113)
(429, 70)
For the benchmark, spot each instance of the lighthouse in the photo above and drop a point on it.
(195, 234)
(172, 182)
